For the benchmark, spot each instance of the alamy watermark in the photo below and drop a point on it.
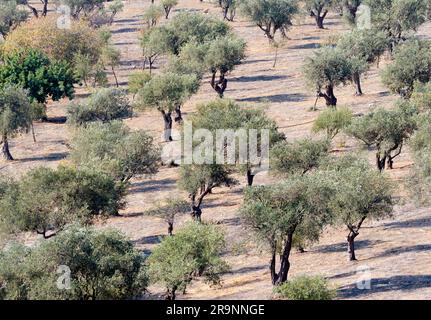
(222, 146)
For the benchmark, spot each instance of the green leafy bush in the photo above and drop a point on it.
(104, 105)
(103, 265)
(305, 288)
(45, 200)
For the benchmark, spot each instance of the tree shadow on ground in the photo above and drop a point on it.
(306, 46)
(294, 97)
(125, 30)
(401, 250)
(342, 246)
(258, 78)
(152, 185)
(50, 157)
(414, 223)
(156, 239)
(395, 283)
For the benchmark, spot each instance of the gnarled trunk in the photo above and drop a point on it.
(319, 17)
(5, 149)
(167, 119)
(351, 246)
(357, 82)
(45, 8)
(284, 263)
(331, 100)
(250, 178)
(220, 85)
(179, 116)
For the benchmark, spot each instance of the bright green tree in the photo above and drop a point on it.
(114, 149)
(193, 252)
(15, 115)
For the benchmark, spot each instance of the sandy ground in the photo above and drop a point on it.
(394, 252)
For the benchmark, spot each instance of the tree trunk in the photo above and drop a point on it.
(171, 293)
(274, 275)
(225, 12)
(357, 81)
(167, 119)
(115, 76)
(167, 11)
(33, 10)
(331, 100)
(351, 246)
(170, 228)
(45, 8)
(285, 264)
(6, 152)
(250, 178)
(179, 116)
(380, 161)
(319, 18)
(220, 85)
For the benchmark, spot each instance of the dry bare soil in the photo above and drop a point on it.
(396, 251)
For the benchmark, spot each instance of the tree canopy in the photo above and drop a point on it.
(193, 252)
(114, 149)
(78, 264)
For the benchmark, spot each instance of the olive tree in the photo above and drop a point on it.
(166, 92)
(169, 210)
(328, 68)
(45, 200)
(103, 265)
(10, 16)
(224, 114)
(228, 8)
(333, 121)
(152, 15)
(222, 55)
(298, 157)
(114, 149)
(199, 180)
(385, 130)
(360, 193)
(319, 9)
(419, 182)
(193, 252)
(412, 63)
(350, 9)
(397, 18)
(168, 5)
(103, 105)
(137, 81)
(15, 115)
(276, 212)
(270, 16)
(363, 47)
(189, 27)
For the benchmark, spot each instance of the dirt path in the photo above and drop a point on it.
(395, 251)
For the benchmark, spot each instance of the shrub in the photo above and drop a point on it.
(104, 105)
(332, 121)
(305, 288)
(103, 265)
(45, 200)
(115, 150)
(194, 251)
